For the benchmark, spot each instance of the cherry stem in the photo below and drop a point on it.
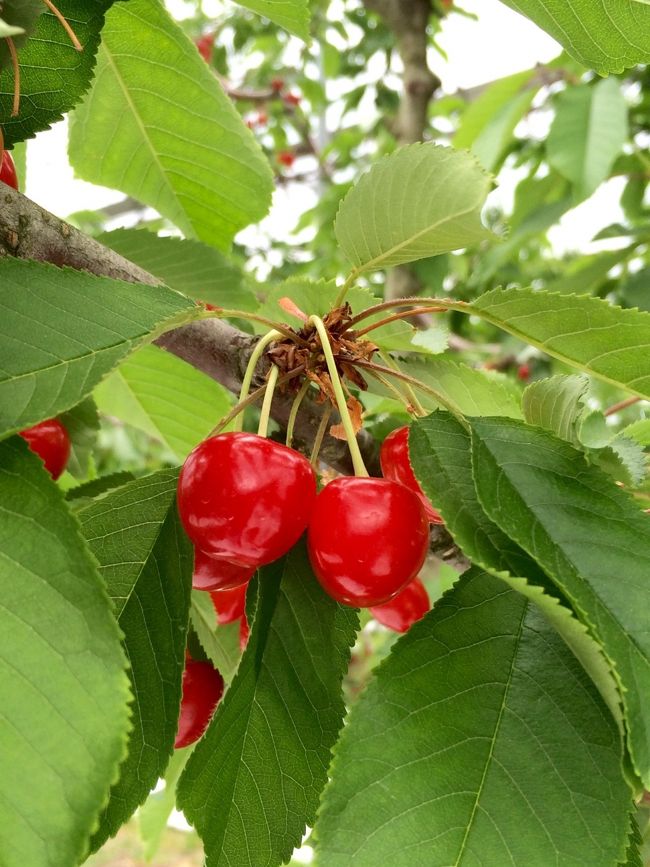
(343, 291)
(265, 414)
(295, 406)
(353, 445)
(437, 305)
(441, 399)
(320, 436)
(252, 397)
(64, 24)
(408, 389)
(16, 67)
(395, 316)
(283, 330)
(256, 354)
(623, 404)
(397, 394)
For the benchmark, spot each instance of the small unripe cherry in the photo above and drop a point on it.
(230, 605)
(211, 574)
(202, 691)
(396, 465)
(51, 442)
(403, 610)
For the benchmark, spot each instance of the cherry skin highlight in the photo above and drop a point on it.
(244, 498)
(202, 690)
(403, 610)
(8, 171)
(395, 465)
(230, 605)
(50, 440)
(367, 539)
(211, 574)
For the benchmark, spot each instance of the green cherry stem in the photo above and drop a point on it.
(353, 445)
(256, 354)
(295, 406)
(440, 398)
(320, 436)
(265, 413)
(408, 388)
(345, 288)
(397, 394)
(252, 397)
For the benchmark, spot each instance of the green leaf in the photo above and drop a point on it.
(189, 267)
(420, 201)
(53, 75)
(480, 741)
(588, 133)
(146, 560)
(440, 450)
(62, 680)
(589, 537)
(468, 390)
(156, 810)
(586, 333)
(639, 431)
(634, 845)
(253, 781)
(82, 425)
(487, 125)
(557, 404)
(79, 495)
(293, 15)
(220, 643)
(62, 331)
(176, 141)
(607, 37)
(588, 273)
(164, 396)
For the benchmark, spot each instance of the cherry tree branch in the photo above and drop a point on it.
(213, 346)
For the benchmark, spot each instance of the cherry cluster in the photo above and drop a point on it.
(245, 500)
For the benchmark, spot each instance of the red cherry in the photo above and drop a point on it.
(229, 604)
(244, 498)
(403, 610)
(262, 118)
(244, 632)
(367, 539)
(211, 574)
(395, 465)
(8, 170)
(202, 690)
(291, 99)
(50, 440)
(277, 84)
(286, 158)
(523, 372)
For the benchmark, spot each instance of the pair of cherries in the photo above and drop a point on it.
(245, 501)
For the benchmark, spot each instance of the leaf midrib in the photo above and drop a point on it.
(497, 728)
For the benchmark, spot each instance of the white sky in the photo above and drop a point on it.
(499, 43)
